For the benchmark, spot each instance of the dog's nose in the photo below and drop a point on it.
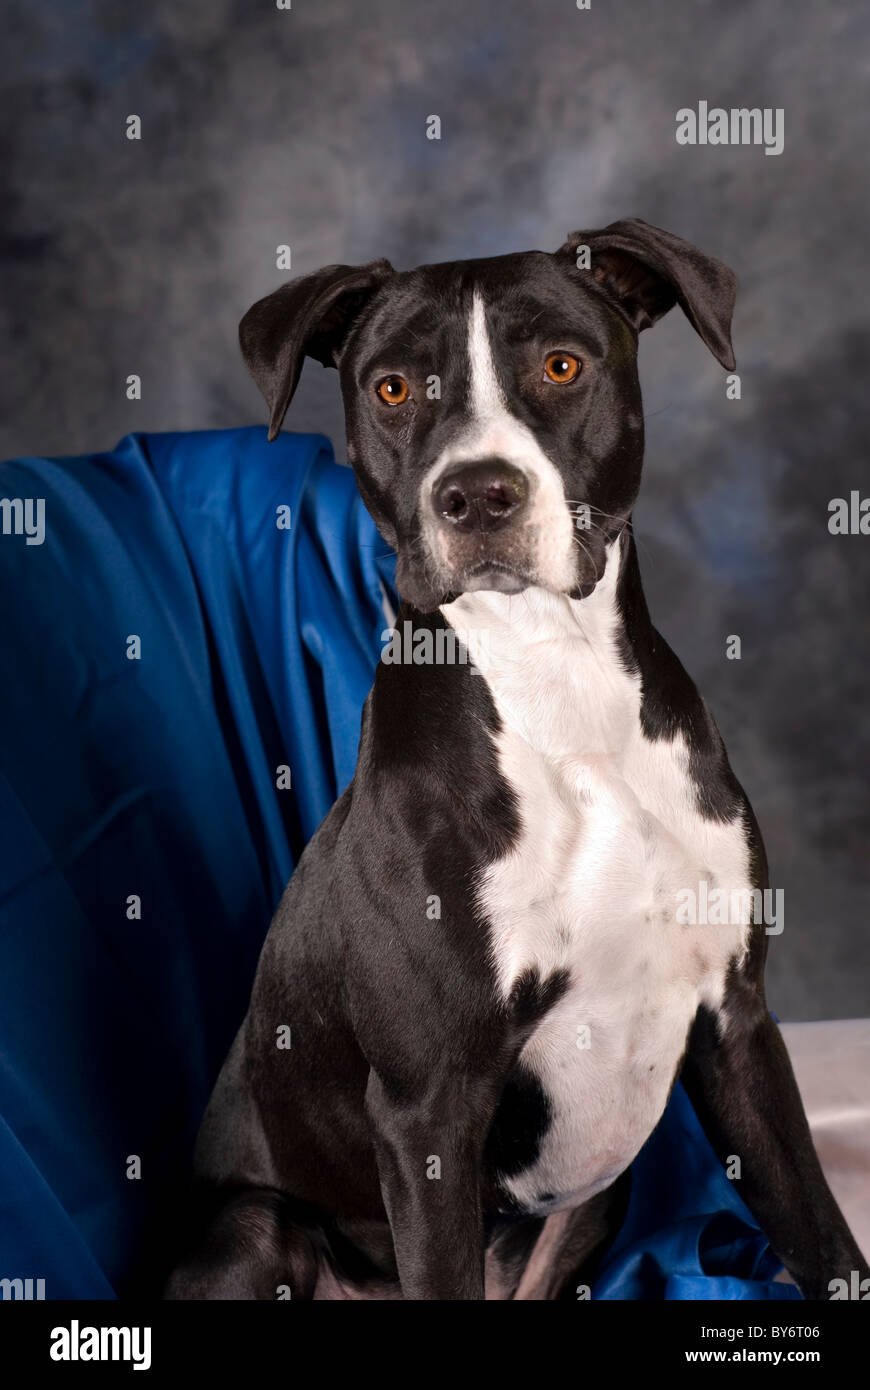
(480, 496)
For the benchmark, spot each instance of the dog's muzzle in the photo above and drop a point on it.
(480, 509)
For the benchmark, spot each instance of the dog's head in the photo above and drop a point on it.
(494, 418)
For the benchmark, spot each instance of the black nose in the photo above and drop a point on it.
(480, 496)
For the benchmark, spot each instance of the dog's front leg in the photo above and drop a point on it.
(739, 1078)
(428, 1152)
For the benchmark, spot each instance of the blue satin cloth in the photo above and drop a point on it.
(155, 779)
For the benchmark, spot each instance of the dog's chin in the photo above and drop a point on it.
(504, 579)
(494, 577)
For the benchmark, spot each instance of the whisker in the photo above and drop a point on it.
(654, 413)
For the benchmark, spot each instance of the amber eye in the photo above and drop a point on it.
(561, 367)
(394, 390)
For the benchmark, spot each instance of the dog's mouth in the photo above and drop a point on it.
(508, 564)
(505, 563)
(514, 577)
(428, 590)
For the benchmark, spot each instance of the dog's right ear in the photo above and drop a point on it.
(308, 317)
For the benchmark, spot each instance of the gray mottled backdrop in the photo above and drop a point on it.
(307, 127)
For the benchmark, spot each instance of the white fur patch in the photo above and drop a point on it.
(491, 431)
(611, 834)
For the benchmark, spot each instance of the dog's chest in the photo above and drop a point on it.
(611, 836)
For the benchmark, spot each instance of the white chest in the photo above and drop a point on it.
(611, 837)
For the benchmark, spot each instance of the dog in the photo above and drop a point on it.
(480, 955)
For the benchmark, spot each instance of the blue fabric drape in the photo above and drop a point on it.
(145, 841)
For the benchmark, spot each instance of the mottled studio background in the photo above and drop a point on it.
(262, 127)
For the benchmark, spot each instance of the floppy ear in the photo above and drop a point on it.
(307, 317)
(648, 270)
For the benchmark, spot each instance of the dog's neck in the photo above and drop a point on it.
(501, 628)
(556, 666)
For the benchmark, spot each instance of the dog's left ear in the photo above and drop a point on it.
(648, 270)
(308, 317)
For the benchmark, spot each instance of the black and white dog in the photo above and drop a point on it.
(490, 988)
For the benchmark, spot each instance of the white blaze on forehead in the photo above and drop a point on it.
(491, 430)
(486, 396)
